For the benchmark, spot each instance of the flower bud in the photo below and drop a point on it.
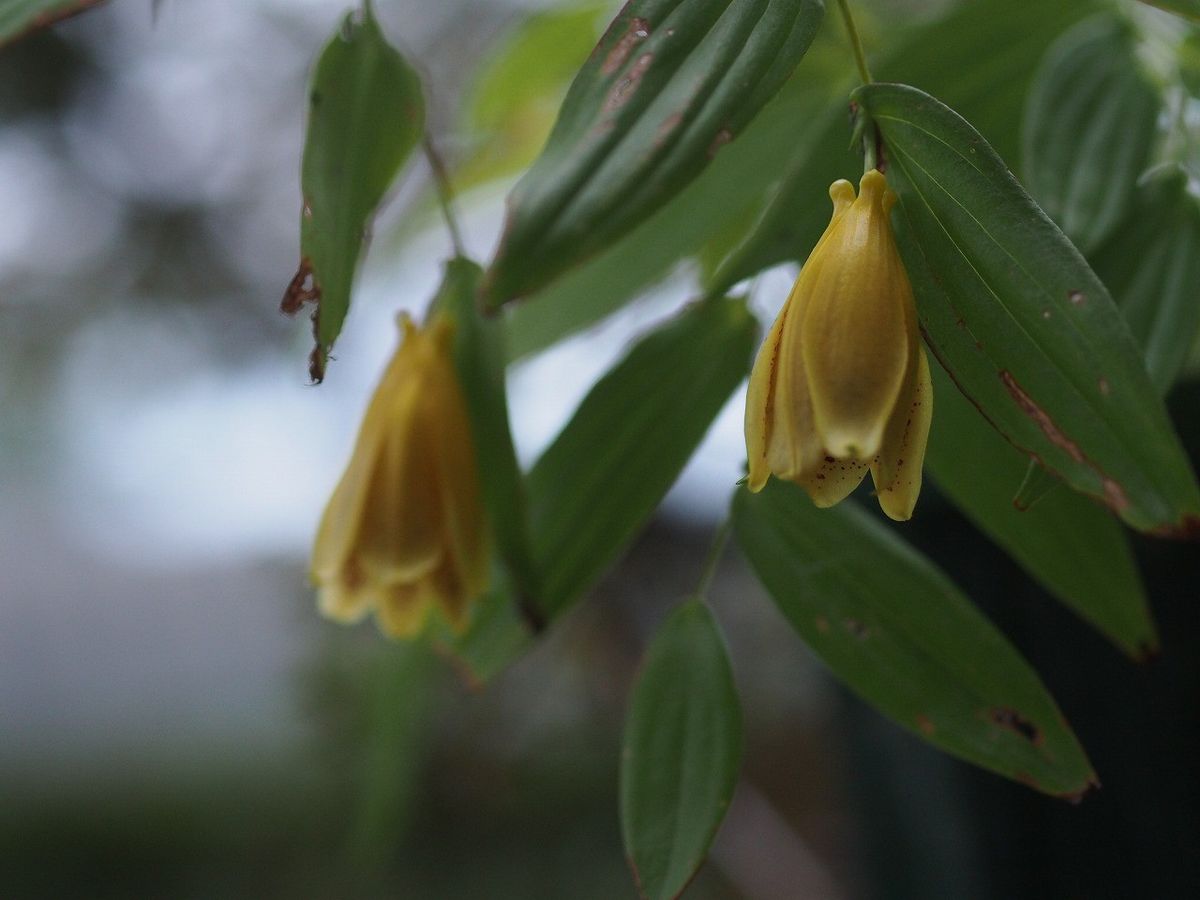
(841, 384)
(404, 531)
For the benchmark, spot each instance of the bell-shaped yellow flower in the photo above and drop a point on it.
(404, 531)
(841, 384)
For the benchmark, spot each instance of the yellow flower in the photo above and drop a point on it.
(404, 530)
(841, 384)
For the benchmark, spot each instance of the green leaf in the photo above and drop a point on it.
(986, 52)
(671, 82)
(366, 114)
(610, 467)
(514, 95)
(1026, 328)
(900, 634)
(1037, 483)
(480, 359)
(1089, 128)
(1152, 266)
(733, 186)
(496, 636)
(1189, 9)
(681, 752)
(1066, 542)
(21, 17)
(633, 433)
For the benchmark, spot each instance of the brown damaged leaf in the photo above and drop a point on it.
(302, 289)
(1015, 722)
(1114, 494)
(638, 31)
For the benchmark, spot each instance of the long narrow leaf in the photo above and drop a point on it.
(898, 631)
(671, 82)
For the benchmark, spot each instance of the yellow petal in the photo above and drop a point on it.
(780, 436)
(854, 338)
(403, 610)
(392, 402)
(405, 529)
(833, 480)
(465, 540)
(897, 471)
(341, 602)
(759, 397)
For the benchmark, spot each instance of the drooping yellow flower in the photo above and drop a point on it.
(404, 531)
(841, 384)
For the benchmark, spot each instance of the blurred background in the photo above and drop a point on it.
(176, 720)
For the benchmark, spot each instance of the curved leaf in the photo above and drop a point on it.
(1089, 128)
(681, 751)
(900, 634)
(628, 441)
(1026, 328)
(1152, 266)
(670, 83)
(365, 116)
(732, 186)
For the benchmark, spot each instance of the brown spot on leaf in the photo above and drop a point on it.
(300, 290)
(1077, 298)
(1015, 722)
(1040, 417)
(1147, 651)
(1104, 387)
(636, 32)
(1187, 529)
(1026, 779)
(822, 624)
(925, 724)
(857, 628)
(723, 137)
(316, 364)
(667, 127)
(1114, 494)
(624, 88)
(1077, 797)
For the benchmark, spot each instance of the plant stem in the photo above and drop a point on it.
(445, 194)
(715, 551)
(860, 56)
(869, 161)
